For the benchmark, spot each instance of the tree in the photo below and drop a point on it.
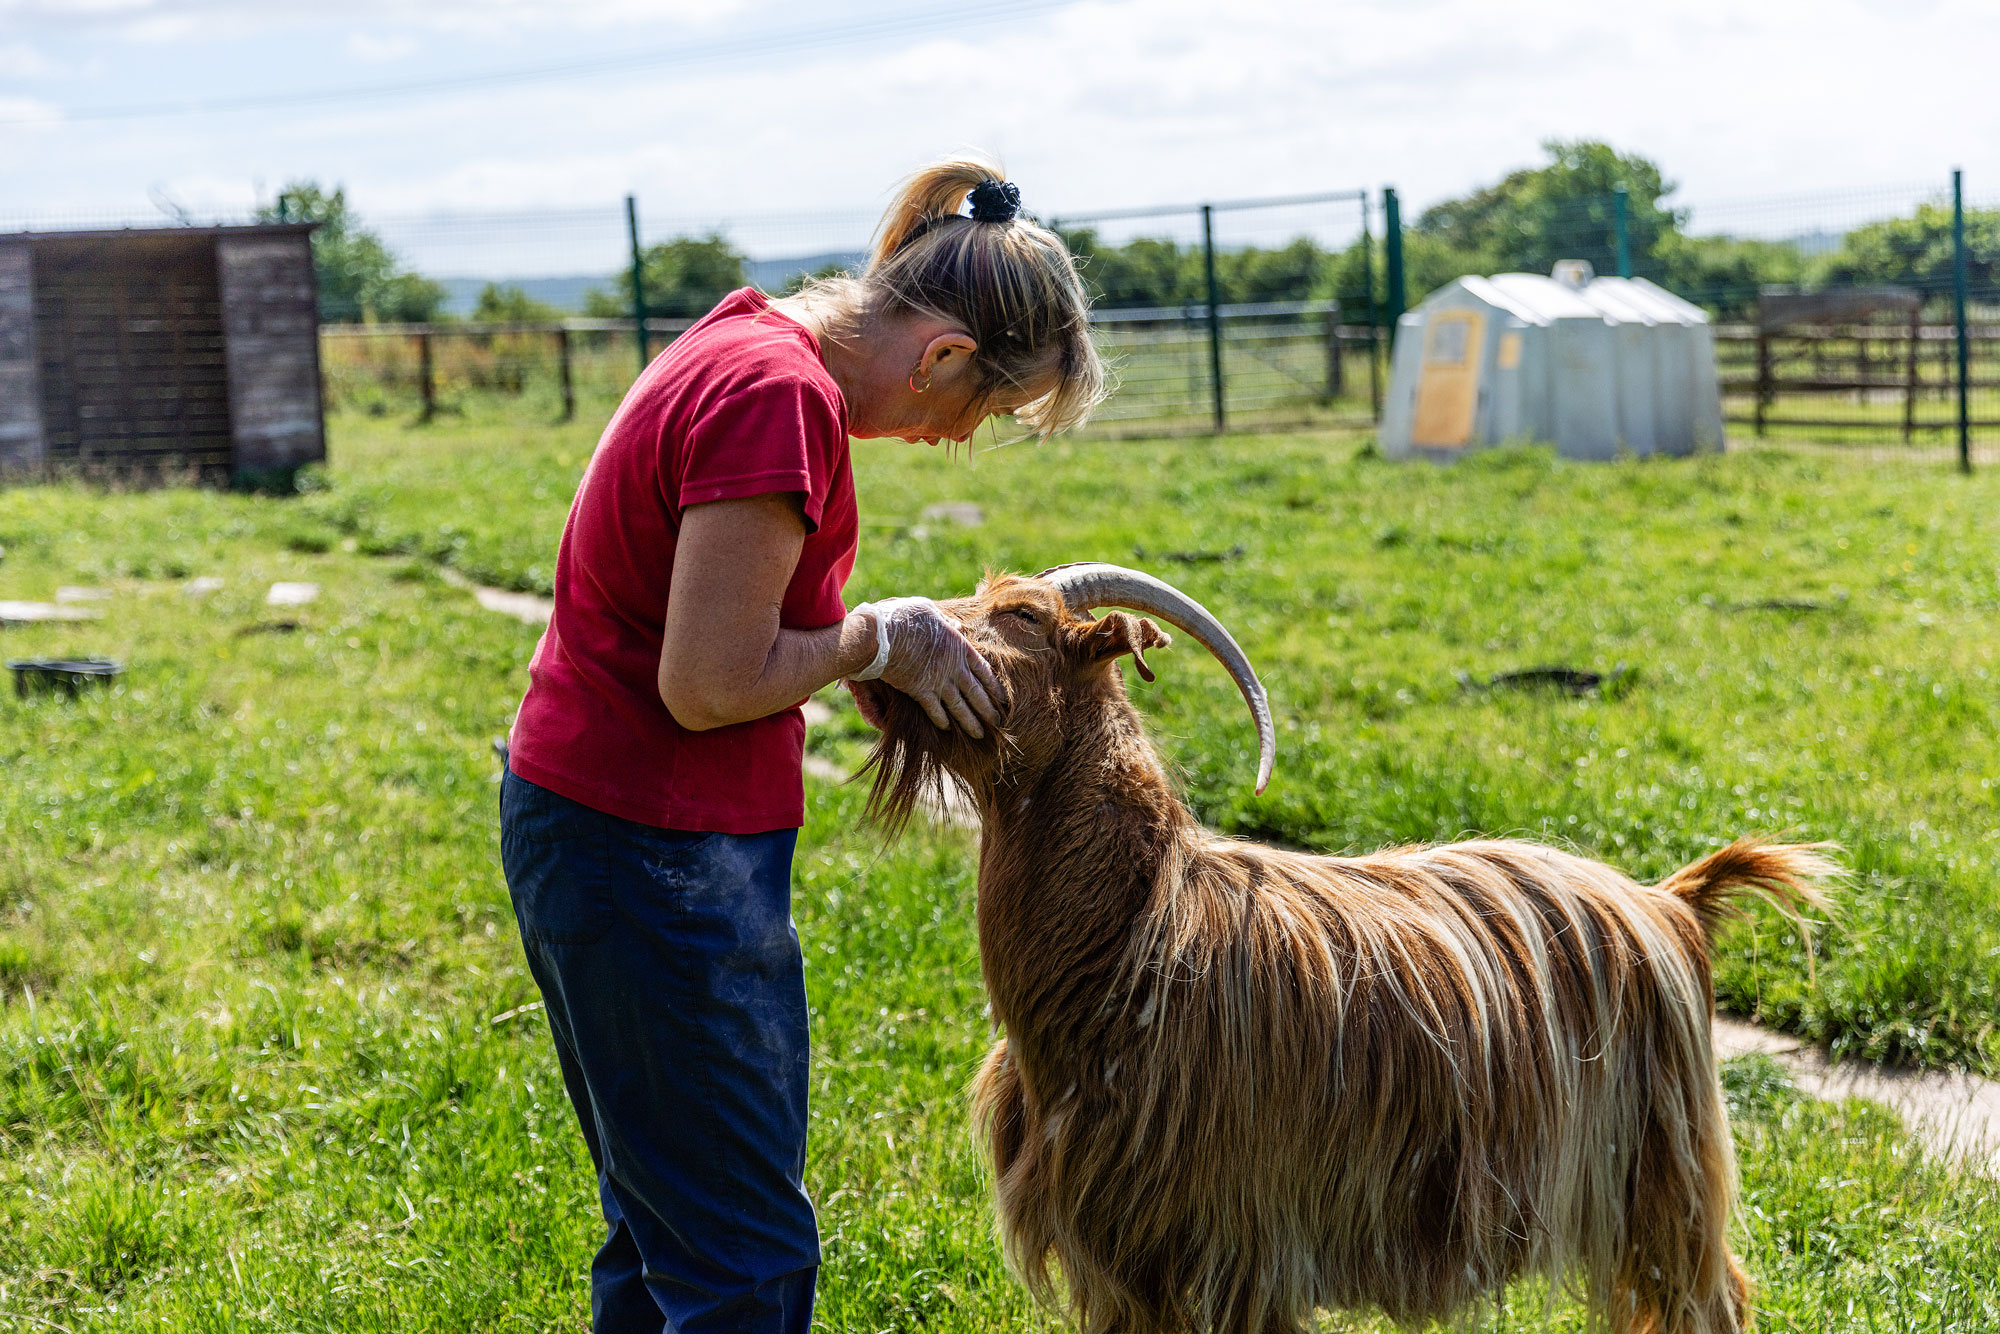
(1294, 271)
(511, 305)
(1567, 209)
(831, 269)
(406, 298)
(1726, 273)
(1148, 271)
(359, 278)
(684, 279)
(1917, 251)
(1564, 209)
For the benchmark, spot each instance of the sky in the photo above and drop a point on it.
(723, 108)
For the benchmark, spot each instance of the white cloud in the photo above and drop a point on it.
(33, 113)
(369, 47)
(1103, 104)
(165, 20)
(18, 60)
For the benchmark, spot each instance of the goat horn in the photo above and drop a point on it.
(1090, 584)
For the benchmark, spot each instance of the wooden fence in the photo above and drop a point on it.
(1884, 380)
(508, 348)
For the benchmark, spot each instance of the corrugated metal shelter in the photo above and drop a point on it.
(1598, 367)
(155, 352)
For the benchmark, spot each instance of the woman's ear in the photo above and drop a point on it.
(946, 356)
(1118, 633)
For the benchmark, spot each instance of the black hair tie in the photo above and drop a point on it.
(995, 201)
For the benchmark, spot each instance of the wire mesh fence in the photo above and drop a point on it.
(1236, 313)
(1837, 315)
(1285, 334)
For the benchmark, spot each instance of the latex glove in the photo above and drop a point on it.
(931, 662)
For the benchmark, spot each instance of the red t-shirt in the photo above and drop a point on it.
(739, 405)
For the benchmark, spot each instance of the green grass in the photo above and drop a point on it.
(263, 1058)
(254, 941)
(1365, 587)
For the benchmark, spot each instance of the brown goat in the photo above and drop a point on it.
(1238, 1083)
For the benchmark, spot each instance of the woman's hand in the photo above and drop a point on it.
(724, 658)
(932, 663)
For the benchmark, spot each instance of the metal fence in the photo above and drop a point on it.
(1299, 341)
(1859, 319)
(1305, 349)
(1849, 319)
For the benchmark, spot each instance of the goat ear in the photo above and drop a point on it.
(1121, 632)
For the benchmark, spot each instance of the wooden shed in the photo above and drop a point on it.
(154, 353)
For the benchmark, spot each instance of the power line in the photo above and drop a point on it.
(829, 35)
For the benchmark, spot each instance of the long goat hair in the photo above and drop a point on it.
(1239, 1083)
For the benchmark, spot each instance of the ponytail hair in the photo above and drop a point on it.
(1007, 281)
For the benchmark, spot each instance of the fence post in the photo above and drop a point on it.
(1621, 212)
(1910, 372)
(1214, 310)
(426, 373)
(1764, 390)
(1958, 319)
(638, 281)
(568, 383)
(1374, 315)
(1335, 377)
(1392, 255)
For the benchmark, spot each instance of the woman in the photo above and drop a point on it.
(654, 792)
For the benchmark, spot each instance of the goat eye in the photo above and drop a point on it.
(1025, 615)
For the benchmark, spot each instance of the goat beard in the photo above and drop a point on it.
(911, 759)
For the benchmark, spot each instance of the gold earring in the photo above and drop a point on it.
(913, 383)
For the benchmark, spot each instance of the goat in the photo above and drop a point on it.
(1236, 1083)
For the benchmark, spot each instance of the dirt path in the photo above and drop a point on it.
(524, 607)
(1956, 1115)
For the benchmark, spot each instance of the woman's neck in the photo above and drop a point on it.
(840, 334)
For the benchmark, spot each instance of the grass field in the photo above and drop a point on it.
(1811, 646)
(264, 1056)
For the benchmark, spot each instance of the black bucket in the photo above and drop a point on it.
(67, 675)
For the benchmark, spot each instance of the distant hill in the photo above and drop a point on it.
(772, 274)
(566, 292)
(1819, 241)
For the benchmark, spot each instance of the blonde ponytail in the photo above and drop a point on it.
(1006, 281)
(936, 191)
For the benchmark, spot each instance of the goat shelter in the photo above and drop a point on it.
(154, 353)
(1597, 367)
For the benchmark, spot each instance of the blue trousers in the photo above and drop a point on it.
(675, 993)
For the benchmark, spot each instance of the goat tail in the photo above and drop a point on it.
(1790, 874)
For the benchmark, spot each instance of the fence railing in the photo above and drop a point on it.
(1866, 381)
(1282, 362)
(368, 366)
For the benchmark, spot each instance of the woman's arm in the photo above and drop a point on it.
(724, 659)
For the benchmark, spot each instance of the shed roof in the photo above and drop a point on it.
(1536, 299)
(161, 233)
(1547, 298)
(1637, 300)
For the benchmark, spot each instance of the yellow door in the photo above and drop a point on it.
(1448, 388)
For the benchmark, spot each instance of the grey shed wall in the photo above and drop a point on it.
(160, 352)
(20, 401)
(270, 322)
